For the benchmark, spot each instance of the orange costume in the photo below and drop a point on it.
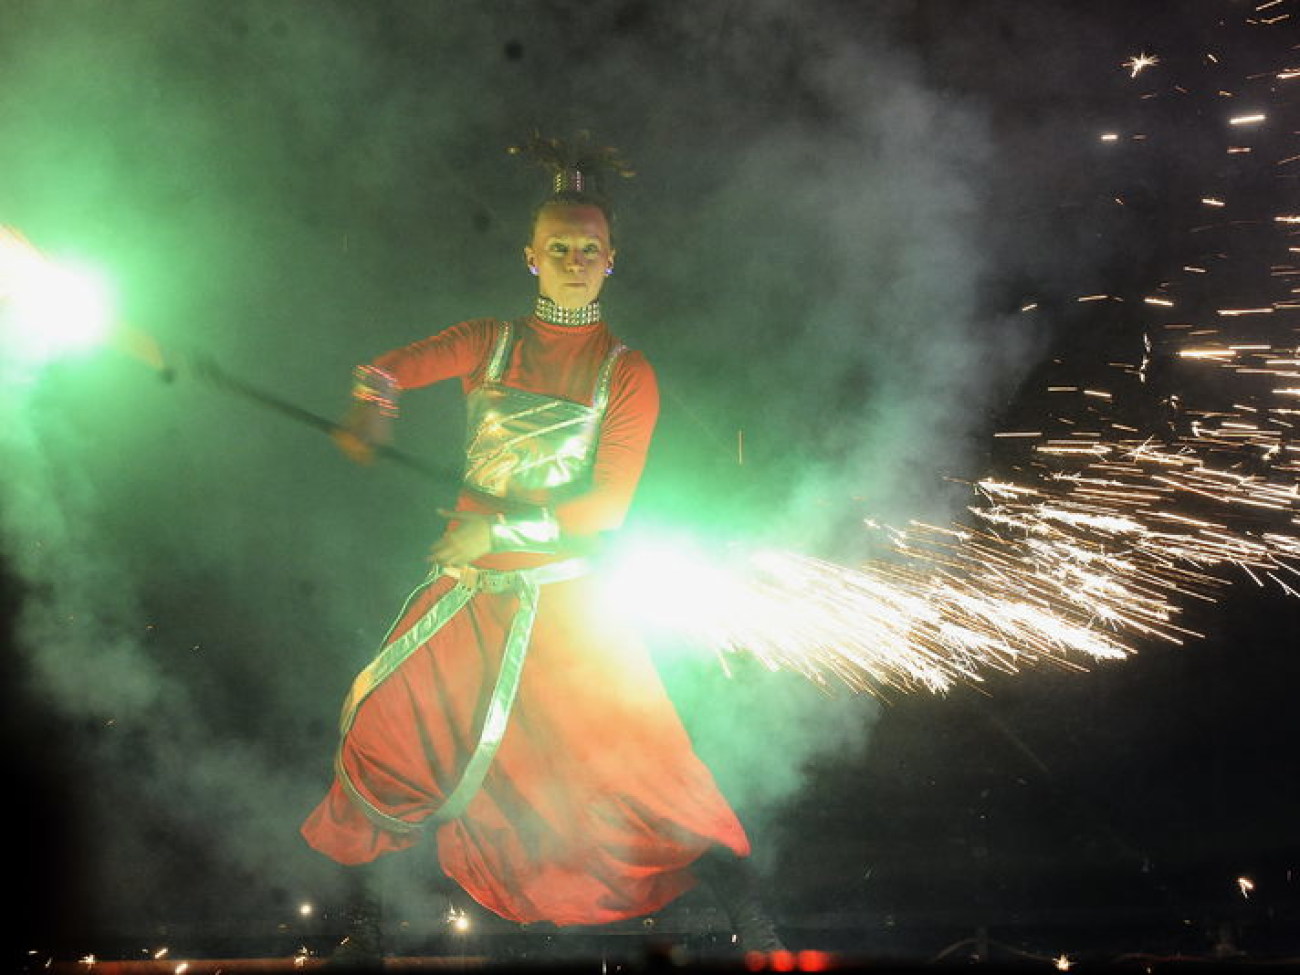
(530, 733)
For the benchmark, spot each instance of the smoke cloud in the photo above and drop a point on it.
(810, 255)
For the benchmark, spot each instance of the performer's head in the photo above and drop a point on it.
(570, 248)
(570, 252)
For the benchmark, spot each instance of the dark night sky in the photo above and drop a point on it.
(840, 210)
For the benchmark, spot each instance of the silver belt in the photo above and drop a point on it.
(507, 580)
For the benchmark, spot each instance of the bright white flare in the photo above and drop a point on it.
(48, 309)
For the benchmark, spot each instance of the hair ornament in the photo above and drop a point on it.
(576, 167)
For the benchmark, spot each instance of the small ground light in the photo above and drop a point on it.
(458, 920)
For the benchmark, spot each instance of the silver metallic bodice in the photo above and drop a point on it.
(524, 446)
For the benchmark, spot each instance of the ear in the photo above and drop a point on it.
(529, 257)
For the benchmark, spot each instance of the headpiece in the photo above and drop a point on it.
(577, 168)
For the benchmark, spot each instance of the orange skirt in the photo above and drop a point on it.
(595, 805)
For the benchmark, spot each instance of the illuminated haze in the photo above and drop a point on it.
(807, 256)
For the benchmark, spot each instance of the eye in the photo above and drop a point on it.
(558, 248)
(591, 249)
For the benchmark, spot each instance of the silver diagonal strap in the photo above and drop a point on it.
(526, 584)
(499, 707)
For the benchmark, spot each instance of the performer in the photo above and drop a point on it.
(504, 715)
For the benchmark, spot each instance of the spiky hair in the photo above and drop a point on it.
(578, 167)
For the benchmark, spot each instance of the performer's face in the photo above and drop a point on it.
(572, 253)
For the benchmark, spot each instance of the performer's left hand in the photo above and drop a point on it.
(468, 538)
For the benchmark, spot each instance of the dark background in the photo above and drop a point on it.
(841, 212)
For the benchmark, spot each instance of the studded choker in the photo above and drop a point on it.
(549, 311)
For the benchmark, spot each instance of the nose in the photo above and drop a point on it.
(574, 261)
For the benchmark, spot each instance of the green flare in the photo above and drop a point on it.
(51, 311)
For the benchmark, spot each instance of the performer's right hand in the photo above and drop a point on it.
(356, 448)
(467, 538)
(363, 430)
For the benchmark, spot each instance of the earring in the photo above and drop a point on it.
(532, 269)
(609, 270)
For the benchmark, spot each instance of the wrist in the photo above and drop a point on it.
(375, 388)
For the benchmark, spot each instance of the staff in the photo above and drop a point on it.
(52, 310)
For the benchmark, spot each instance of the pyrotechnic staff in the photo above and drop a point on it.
(503, 714)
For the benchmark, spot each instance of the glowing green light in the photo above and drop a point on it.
(48, 311)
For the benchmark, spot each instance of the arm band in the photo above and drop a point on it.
(373, 385)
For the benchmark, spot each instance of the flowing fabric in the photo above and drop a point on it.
(595, 804)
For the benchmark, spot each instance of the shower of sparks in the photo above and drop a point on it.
(1139, 63)
(1081, 565)
(1131, 501)
(1091, 558)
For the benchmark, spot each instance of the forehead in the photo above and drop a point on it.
(571, 220)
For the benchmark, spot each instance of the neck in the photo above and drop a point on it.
(548, 311)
